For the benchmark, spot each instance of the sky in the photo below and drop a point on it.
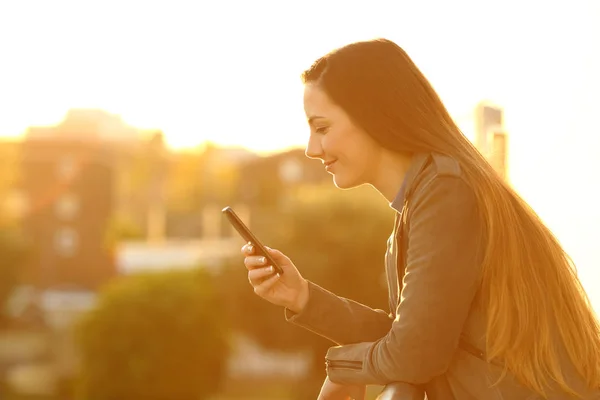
(229, 72)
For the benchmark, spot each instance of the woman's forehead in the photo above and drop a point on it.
(316, 102)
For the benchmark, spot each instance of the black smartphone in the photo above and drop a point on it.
(259, 248)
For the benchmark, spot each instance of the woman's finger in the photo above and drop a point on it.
(248, 249)
(252, 262)
(278, 257)
(264, 287)
(258, 275)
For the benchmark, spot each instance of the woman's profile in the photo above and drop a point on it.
(484, 302)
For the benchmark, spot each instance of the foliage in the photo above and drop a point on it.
(120, 228)
(154, 336)
(186, 178)
(201, 177)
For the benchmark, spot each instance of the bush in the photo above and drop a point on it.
(153, 336)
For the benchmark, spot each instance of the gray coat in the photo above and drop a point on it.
(434, 335)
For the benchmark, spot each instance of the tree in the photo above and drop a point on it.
(120, 228)
(154, 336)
(185, 183)
(337, 240)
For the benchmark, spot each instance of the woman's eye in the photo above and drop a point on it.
(322, 130)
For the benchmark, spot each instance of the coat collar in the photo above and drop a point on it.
(419, 160)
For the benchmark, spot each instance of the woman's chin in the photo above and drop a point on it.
(342, 183)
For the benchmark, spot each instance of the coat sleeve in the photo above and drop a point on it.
(443, 274)
(340, 320)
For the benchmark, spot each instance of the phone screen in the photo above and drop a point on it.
(248, 236)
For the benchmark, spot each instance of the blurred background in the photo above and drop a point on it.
(125, 127)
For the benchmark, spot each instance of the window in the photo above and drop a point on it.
(66, 241)
(66, 168)
(67, 206)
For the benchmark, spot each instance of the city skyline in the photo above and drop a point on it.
(209, 71)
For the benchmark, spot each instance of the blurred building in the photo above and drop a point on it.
(488, 118)
(211, 254)
(491, 138)
(68, 186)
(499, 156)
(143, 197)
(74, 179)
(268, 185)
(268, 181)
(10, 202)
(209, 186)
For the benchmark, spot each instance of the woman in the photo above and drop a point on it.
(484, 301)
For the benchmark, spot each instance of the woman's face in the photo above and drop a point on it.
(347, 151)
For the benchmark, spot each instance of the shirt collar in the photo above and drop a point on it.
(416, 165)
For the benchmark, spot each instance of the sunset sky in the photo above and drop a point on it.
(229, 72)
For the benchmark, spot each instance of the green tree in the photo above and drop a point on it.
(122, 227)
(337, 240)
(154, 336)
(201, 176)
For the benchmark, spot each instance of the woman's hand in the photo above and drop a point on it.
(336, 391)
(289, 290)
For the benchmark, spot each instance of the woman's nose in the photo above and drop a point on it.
(313, 149)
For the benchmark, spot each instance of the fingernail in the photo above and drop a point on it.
(278, 275)
(262, 260)
(271, 268)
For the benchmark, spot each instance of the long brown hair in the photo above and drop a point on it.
(529, 285)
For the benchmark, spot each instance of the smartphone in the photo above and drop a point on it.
(259, 248)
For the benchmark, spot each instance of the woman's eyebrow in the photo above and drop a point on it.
(313, 118)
